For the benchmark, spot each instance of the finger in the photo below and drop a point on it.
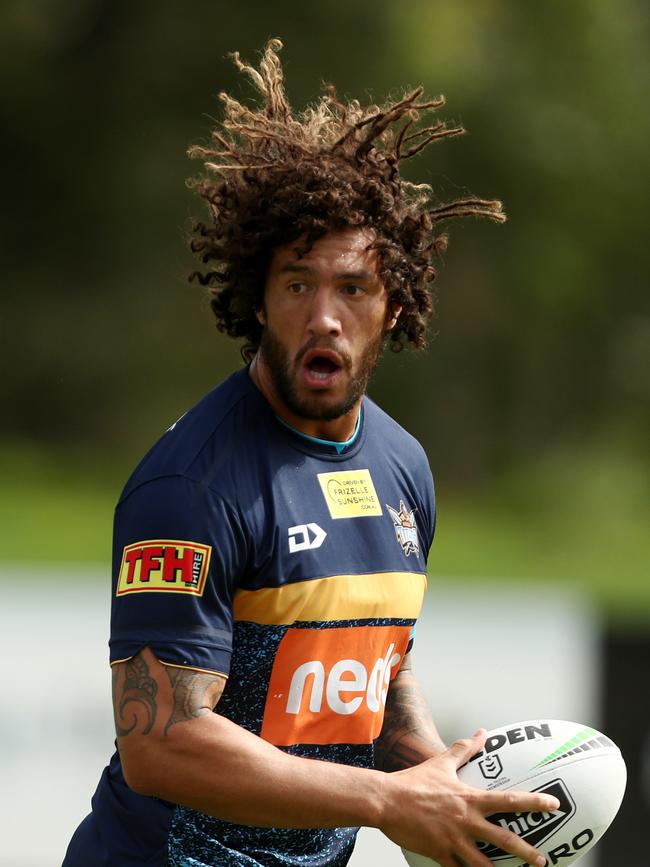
(440, 860)
(463, 750)
(469, 855)
(454, 862)
(511, 843)
(516, 802)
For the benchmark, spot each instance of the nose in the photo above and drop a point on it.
(324, 317)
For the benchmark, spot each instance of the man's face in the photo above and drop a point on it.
(325, 322)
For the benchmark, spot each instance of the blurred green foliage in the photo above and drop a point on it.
(534, 400)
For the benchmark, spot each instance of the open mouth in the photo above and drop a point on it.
(321, 367)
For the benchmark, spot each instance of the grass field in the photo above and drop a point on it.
(582, 518)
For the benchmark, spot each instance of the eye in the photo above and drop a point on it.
(297, 288)
(353, 291)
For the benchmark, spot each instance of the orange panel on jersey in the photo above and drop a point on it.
(329, 685)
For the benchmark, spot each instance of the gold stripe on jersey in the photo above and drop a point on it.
(338, 597)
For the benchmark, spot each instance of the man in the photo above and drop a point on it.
(270, 550)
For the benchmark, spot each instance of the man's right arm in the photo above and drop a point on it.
(174, 747)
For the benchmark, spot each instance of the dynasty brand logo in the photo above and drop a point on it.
(535, 827)
(330, 685)
(305, 537)
(164, 565)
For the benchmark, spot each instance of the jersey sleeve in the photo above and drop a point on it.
(178, 551)
(432, 511)
(428, 507)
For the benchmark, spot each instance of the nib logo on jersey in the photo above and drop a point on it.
(330, 685)
(535, 827)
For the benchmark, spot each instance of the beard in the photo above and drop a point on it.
(283, 372)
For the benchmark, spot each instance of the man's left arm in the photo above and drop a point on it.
(408, 735)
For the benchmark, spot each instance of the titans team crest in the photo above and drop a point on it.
(405, 528)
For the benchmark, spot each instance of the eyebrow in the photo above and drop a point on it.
(293, 268)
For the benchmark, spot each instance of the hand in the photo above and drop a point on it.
(428, 810)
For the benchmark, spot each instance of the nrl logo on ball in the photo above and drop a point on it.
(491, 766)
(405, 529)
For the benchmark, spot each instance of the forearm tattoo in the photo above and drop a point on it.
(190, 689)
(408, 735)
(138, 696)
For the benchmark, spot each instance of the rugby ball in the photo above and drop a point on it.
(580, 766)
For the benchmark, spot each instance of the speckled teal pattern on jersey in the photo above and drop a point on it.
(245, 694)
(220, 844)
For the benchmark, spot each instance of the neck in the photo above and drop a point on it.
(338, 429)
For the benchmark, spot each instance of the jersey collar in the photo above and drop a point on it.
(339, 447)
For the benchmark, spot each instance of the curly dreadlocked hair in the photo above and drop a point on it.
(273, 177)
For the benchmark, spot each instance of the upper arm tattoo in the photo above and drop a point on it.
(139, 690)
(190, 693)
(142, 694)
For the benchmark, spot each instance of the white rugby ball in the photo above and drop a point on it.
(582, 767)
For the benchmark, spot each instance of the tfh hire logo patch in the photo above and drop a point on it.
(164, 565)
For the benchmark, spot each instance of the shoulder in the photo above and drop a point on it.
(396, 441)
(409, 463)
(206, 439)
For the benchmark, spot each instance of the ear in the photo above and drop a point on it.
(391, 322)
(260, 316)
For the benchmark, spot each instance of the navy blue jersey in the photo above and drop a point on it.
(293, 566)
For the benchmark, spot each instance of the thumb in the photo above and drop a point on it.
(462, 750)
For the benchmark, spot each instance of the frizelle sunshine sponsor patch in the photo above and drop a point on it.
(350, 494)
(164, 566)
